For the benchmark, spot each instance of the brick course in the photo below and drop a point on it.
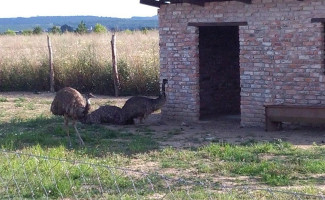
(281, 54)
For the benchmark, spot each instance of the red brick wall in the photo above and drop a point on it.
(281, 54)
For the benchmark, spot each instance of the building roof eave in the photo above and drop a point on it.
(158, 3)
(151, 3)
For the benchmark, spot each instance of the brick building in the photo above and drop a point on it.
(235, 56)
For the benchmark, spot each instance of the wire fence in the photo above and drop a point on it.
(26, 176)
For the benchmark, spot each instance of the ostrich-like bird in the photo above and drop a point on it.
(104, 114)
(72, 105)
(140, 107)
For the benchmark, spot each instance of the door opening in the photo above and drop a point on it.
(219, 71)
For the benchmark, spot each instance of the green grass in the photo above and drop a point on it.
(45, 136)
(20, 100)
(30, 106)
(49, 132)
(269, 163)
(2, 99)
(272, 163)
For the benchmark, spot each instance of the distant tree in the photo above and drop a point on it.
(82, 29)
(27, 32)
(10, 32)
(100, 28)
(66, 28)
(144, 31)
(37, 30)
(55, 30)
(128, 31)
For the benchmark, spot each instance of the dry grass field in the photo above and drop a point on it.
(81, 61)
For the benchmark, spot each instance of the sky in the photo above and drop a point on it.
(104, 8)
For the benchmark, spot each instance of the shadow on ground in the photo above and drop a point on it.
(224, 129)
(154, 134)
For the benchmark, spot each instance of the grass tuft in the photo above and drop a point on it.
(2, 99)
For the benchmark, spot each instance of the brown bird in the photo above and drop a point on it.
(104, 114)
(140, 107)
(72, 105)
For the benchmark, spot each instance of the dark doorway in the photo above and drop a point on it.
(219, 71)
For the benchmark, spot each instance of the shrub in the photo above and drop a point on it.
(10, 32)
(37, 30)
(27, 32)
(55, 30)
(82, 29)
(100, 28)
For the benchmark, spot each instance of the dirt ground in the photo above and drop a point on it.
(225, 129)
(182, 134)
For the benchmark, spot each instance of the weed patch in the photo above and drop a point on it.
(2, 99)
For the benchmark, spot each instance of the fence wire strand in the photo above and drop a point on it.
(41, 177)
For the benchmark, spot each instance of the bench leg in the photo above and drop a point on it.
(272, 126)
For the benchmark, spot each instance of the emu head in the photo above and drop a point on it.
(89, 95)
(87, 108)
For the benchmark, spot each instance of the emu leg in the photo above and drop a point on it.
(81, 142)
(66, 124)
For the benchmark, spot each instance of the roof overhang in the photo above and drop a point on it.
(158, 3)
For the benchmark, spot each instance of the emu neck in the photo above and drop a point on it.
(87, 107)
(161, 100)
(163, 92)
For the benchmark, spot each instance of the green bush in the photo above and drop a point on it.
(27, 32)
(100, 28)
(55, 30)
(10, 32)
(82, 29)
(37, 30)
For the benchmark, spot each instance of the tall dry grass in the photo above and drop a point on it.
(81, 61)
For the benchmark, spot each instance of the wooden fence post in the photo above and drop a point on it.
(51, 64)
(114, 65)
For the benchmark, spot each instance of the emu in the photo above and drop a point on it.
(104, 114)
(68, 102)
(140, 107)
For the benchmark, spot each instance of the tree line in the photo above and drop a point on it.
(81, 29)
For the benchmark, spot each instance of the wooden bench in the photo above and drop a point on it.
(276, 114)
